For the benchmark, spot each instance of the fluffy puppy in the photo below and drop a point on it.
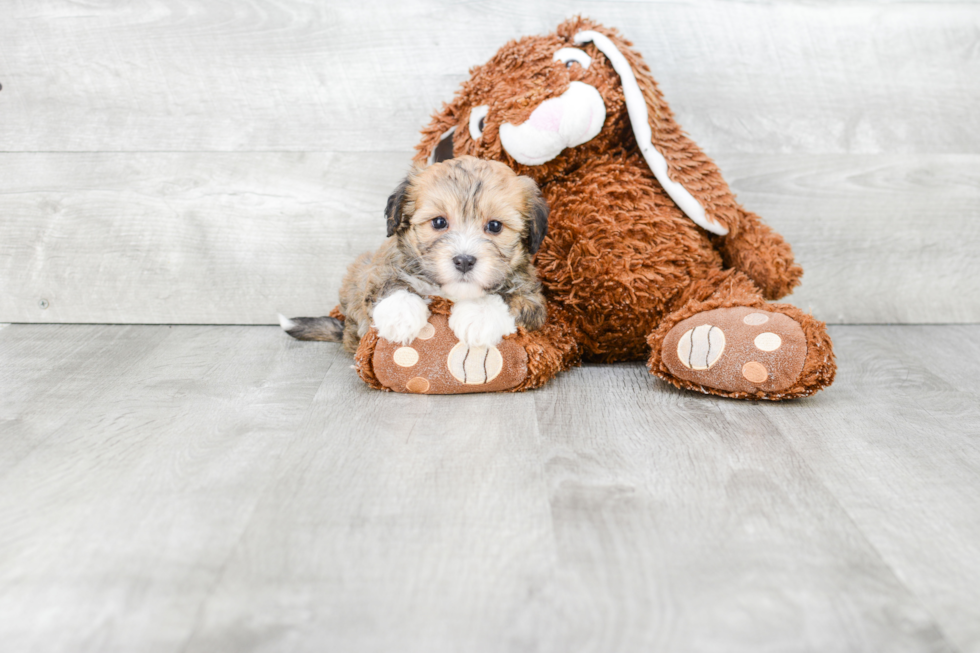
(464, 229)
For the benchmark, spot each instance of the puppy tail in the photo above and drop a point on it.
(327, 329)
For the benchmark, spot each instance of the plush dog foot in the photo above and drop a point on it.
(737, 350)
(437, 363)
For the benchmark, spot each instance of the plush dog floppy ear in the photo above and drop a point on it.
(395, 212)
(661, 139)
(636, 106)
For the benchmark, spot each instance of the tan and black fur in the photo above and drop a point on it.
(467, 193)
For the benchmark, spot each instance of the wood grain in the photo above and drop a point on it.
(228, 489)
(688, 523)
(190, 75)
(234, 238)
(881, 239)
(172, 238)
(898, 444)
(116, 525)
(48, 378)
(423, 520)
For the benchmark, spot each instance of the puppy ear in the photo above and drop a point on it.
(395, 212)
(536, 215)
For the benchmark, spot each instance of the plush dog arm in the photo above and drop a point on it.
(762, 255)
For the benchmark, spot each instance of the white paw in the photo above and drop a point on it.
(482, 322)
(400, 316)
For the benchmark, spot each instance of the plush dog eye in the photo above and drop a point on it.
(571, 56)
(439, 223)
(477, 121)
(494, 227)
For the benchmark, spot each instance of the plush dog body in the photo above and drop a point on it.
(648, 254)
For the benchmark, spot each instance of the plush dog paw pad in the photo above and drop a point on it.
(755, 372)
(436, 362)
(737, 350)
(405, 357)
(417, 385)
(475, 365)
(701, 347)
(767, 341)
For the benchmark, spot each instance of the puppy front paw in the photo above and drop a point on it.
(400, 316)
(482, 322)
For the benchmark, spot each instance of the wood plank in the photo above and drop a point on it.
(191, 75)
(405, 523)
(50, 374)
(443, 524)
(882, 239)
(235, 237)
(897, 441)
(118, 522)
(687, 523)
(229, 489)
(176, 238)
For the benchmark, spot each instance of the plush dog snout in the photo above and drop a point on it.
(464, 262)
(574, 117)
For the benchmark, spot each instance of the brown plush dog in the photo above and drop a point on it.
(648, 254)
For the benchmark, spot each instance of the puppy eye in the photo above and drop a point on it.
(478, 121)
(494, 227)
(571, 56)
(439, 223)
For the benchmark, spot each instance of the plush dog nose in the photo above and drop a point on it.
(464, 262)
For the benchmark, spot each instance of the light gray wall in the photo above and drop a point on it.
(216, 161)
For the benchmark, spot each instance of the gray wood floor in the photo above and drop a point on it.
(227, 489)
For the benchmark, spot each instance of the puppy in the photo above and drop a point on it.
(464, 229)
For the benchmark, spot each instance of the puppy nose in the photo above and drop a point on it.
(464, 262)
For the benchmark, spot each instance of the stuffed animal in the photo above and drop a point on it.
(648, 256)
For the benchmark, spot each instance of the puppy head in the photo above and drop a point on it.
(466, 224)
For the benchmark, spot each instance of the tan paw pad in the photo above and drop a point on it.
(755, 372)
(767, 341)
(405, 357)
(475, 365)
(701, 347)
(417, 385)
